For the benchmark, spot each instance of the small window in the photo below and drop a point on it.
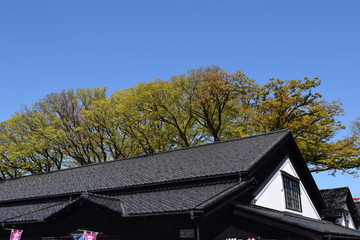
(292, 193)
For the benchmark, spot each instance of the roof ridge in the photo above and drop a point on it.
(211, 143)
(337, 188)
(91, 194)
(229, 190)
(186, 185)
(148, 155)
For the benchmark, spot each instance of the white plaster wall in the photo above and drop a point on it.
(347, 215)
(272, 195)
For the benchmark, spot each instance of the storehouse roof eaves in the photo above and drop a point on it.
(320, 226)
(31, 212)
(160, 202)
(208, 160)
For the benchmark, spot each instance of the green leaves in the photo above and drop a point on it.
(203, 105)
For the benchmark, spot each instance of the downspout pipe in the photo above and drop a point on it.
(195, 216)
(197, 229)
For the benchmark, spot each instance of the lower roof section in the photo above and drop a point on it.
(157, 202)
(178, 199)
(32, 212)
(302, 225)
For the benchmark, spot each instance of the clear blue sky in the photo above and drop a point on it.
(47, 46)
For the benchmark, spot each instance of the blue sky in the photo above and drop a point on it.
(47, 46)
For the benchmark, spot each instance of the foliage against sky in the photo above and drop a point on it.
(83, 126)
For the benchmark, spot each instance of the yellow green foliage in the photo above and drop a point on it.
(77, 127)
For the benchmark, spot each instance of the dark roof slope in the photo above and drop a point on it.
(322, 227)
(190, 163)
(176, 200)
(30, 212)
(357, 204)
(182, 199)
(335, 200)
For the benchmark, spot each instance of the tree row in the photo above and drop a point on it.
(83, 126)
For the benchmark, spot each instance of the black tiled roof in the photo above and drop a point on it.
(31, 212)
(176, 200)
(109, 202)
(320, 226)
(176, 181)
(357, 204)
(154, 202)
(335, 198)
(190, 163)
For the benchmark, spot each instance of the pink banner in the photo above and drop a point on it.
(89, 236)
(15, 235)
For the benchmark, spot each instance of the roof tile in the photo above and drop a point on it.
(194, 162)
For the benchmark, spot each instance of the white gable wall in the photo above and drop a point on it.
(346, 219)
(272, 195)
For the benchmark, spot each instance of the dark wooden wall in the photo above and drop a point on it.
(110, 225)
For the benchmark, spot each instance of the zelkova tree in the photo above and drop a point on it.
(52, 134)
(137, 117)
(81, 139)
(197, 107)
(25, 146)
(356, 128)
(77, 127)
(108, 130)
(356, 136)
(294, 105)
(216, 100)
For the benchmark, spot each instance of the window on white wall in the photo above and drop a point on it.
(346, 218)
(292, 193)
